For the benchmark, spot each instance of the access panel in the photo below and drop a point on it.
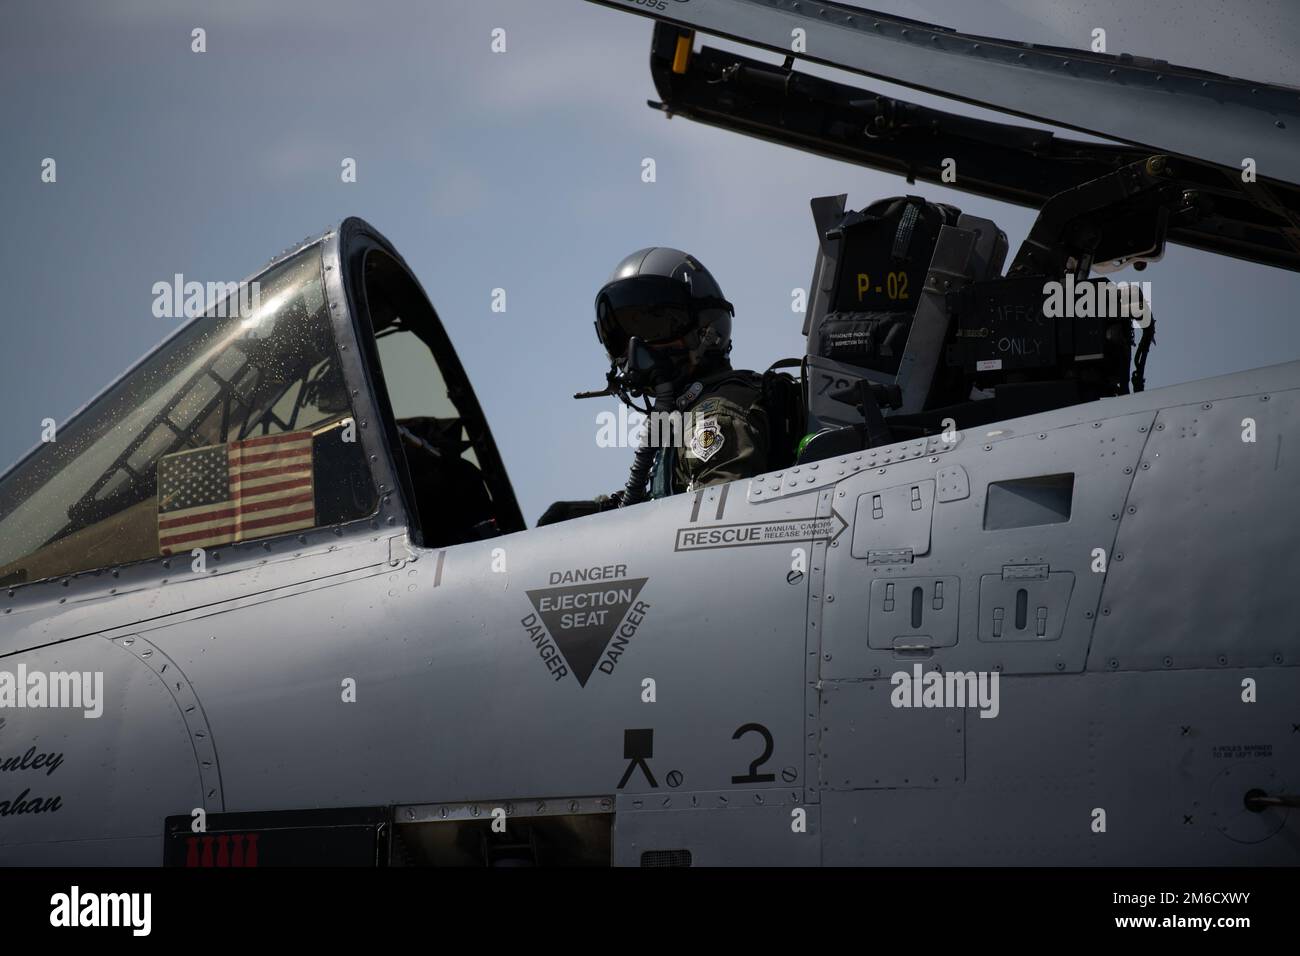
(911, 614)
(893, 524)
(1024, 603)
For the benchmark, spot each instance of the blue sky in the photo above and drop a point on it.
(518, 170)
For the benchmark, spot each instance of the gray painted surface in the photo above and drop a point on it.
(1065, 746)
(223, 690)
(1164, 105)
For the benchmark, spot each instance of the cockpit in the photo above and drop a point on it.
(457, 483)
(247, 424)
(334, 388)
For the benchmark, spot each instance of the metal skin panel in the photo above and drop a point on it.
(894, 519)
(1169, 763)
(866, 743)
(911, 615)
(1101, 453)
(954, 483)
(103, 779)
(314, 560)
(1167, 107)
(1223, 546)
(440, 639)
(439, 636)
(745, 834)
(1046, 598)
(821, 474)
(1065, 742)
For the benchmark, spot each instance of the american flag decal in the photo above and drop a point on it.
(226, 493)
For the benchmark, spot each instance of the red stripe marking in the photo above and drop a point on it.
(166, 543)
(267, 461)
(272, 439)
(238, 509)
(237, 477)
(304, 482)
(239, 458)
(241, 526)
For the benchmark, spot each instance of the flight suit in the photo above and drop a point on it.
(725, 437)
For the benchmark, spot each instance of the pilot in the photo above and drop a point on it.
(666, 329)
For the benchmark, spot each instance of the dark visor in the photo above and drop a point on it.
(652, 308)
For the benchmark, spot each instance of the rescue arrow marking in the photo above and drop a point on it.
(760, 532)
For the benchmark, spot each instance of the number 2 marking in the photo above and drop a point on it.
(754, 776)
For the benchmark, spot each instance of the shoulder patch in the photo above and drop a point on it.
(706, 438)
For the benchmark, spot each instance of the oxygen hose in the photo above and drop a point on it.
(636, 490)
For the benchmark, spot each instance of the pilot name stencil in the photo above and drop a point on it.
(573, 624)
(34, 761)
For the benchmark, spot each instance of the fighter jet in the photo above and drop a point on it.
(269, 598)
